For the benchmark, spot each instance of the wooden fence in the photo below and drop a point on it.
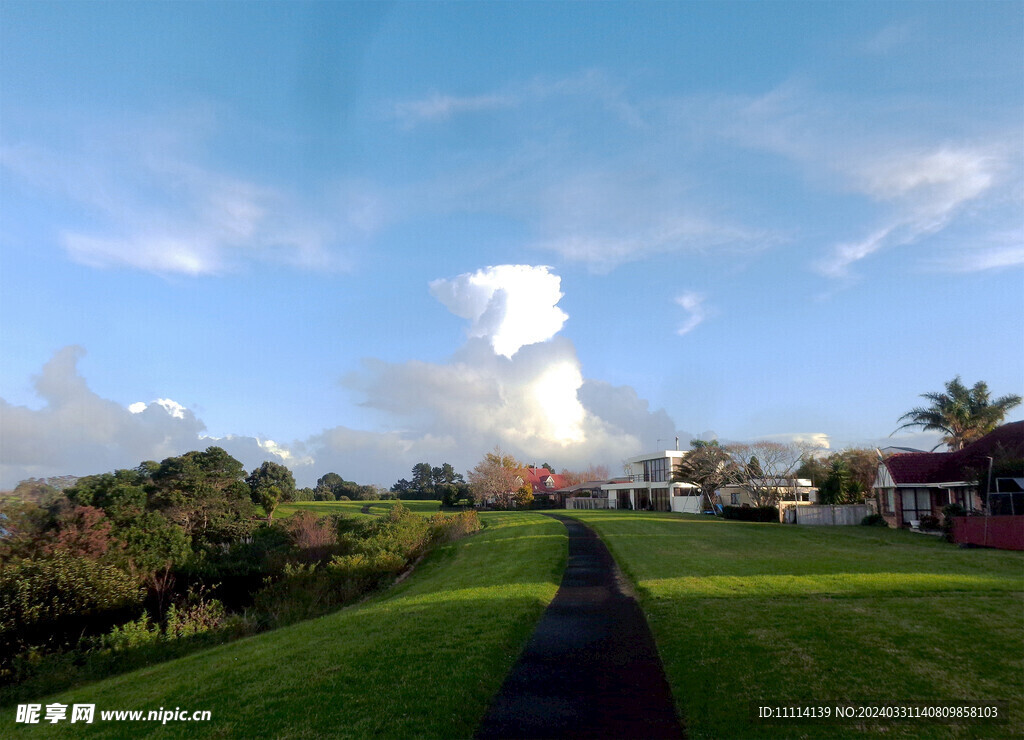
(829, 516)
(1003, 532)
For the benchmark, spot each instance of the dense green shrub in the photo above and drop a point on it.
(450, 527)
(751, 514)
(399, 532)
(874, 520)
(930, 523)
(51, 597)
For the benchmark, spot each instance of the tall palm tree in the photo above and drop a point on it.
(962, 414)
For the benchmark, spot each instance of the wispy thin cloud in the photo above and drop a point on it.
(440, 107)
(694, 305)
(589, 85)
(1001, 251)
(926, 190)
(890, 37)
(920, 181)
(154, 205)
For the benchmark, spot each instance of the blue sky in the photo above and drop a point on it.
(354, 236)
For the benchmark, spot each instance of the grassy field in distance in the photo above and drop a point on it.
(354, 508)
(783, 615)
(422, 660)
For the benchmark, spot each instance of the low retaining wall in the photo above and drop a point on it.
(830, 516)
(1002, 532)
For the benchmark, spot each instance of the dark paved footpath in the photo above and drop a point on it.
(590, 669)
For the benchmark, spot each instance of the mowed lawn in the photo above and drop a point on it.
(781, 615)
(354, 508)
(422, 660)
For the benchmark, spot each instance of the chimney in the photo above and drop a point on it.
(677, 443)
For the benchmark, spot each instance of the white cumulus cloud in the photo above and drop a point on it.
(509, 305)
(77, 432)
(173, 408)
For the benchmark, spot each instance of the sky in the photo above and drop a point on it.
(352, 237)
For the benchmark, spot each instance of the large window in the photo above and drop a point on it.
(917, 502)
(660, 500)
(656, 471)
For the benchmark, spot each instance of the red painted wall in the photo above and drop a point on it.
(1003, 532)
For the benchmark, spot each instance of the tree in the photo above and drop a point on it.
(961, 414)
(270, 484)
(423, 477)
(707, 466)
(402, 487)
(592, 473)
(523, 496)
(766, 469)
(497, 479)
(204, 493)
(327, 486)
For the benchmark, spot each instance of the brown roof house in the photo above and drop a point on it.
(912, 485)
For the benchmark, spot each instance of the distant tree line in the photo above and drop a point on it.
(332, 487)
(433, 483)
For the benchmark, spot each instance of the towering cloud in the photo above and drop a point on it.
(509, 305)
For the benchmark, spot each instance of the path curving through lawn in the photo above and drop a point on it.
(590, 668)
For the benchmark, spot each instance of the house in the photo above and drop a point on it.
(648, 484)
(912, 485)
(799, 490)
(546, 486)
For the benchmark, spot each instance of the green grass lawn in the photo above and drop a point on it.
(422, 660)
(354, 508)
(785, 615)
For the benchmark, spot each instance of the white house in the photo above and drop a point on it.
(648, 484)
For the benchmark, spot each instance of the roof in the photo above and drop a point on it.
(589, 485)
(947, 467)
(537, 478)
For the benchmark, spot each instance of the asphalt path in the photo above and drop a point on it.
(590, 669)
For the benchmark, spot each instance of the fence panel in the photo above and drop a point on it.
(832, 516)
(1003, 532)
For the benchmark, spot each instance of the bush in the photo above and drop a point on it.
(930, 523)
(451, 527)
(398, 532)
(874, 520)
(315, 537)
(50, 599)
(751, 514)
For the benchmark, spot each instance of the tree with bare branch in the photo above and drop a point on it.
(497, 479)
(766, 469)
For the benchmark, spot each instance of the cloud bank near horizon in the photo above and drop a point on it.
(514, 383)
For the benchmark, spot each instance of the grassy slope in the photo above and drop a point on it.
(354, 508)
(781, 615)
(423, 660)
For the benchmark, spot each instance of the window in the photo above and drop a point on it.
(890, 500)
(917, 502)
(660, 500)
(734, 499)
(656, 471)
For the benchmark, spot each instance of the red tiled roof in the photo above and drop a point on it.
(947, 467)
(536, 477)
